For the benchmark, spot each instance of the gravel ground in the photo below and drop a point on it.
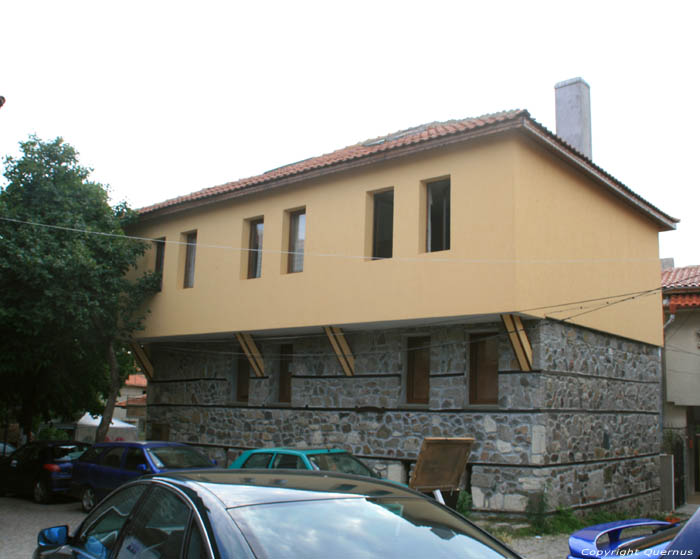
(542, 547)
(21, 520)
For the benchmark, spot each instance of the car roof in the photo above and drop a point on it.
(235, 488)
(300, 451)
(138, 443)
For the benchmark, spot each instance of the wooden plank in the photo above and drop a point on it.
(518, 341)
(142, 359)
(251, 351)
(342, 349)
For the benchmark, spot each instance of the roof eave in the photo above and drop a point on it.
(666, 222)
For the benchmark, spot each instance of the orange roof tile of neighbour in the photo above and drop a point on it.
(138, 380)
(685, 301)
(686, 278)
(137, 401)
(408, 142)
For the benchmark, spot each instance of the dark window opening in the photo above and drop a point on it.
(383, 230)
(297, 236)
(160, 259)
(285, 378)
(255, 248)
(242, 379)
(438, 215)
(483, 370)
(191, 251)
(418, 370)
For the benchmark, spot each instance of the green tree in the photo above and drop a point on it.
(69, 299)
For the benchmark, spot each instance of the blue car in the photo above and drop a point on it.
(106, 466)
(258, 514)
(42, 469)
(637, 538)
(326, 459)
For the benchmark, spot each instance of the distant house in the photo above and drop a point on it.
(131, 402)
(681, 300)
(478, 277)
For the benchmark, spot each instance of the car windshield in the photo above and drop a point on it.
(166, 457)
(340, 462)
(68, 451)
(363, 527)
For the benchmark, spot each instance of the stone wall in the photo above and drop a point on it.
(583, 426)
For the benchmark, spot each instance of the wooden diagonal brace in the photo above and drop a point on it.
(342, 349)
(518, 340)
(251, 351)
(142, 359)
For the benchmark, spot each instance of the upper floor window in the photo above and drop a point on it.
(255, 245)
(190, 253)
(297, 236)
(438, 233)
(483, 369)
(418, 370)
(383, 226)
(160, 259)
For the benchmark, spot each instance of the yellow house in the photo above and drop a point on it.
(477, 277)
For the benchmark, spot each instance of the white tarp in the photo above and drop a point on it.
(118, 430)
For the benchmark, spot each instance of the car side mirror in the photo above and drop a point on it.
(143, 468)
(214, 462)
(53, 537)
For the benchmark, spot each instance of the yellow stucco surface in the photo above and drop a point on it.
(527, 232)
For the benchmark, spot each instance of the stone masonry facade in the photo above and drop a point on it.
(582, 427)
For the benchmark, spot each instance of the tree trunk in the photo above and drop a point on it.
(114, 387)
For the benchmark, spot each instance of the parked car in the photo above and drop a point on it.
(216, 514)
(108, 465)
(637, 538)
(6, 449)
(41, 469)
(326, 459)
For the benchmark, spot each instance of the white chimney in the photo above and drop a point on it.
(573, 108)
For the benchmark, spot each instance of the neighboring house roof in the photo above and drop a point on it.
(684, 278)
(137, 380)
(681, 287)
(408, 142)
(138, 401)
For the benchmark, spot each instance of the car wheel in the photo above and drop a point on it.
(41, 492)
(87, 499)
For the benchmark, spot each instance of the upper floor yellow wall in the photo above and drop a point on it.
(527, 232)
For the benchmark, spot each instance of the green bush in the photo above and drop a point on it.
(464, 503)
(52, 434)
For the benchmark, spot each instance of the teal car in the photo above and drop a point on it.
(325, 459)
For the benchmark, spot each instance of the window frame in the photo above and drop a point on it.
(297, 241)
(243, 379)
(431, 187)
(159, 260)
(416, 347)
(381, 222)
(255, 247)
(284, 388)
(477, 375)
(190, 258)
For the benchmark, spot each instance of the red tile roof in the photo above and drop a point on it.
(137, 401)
(687, 278)
(683, 301)
(137, 380)
(405, 142)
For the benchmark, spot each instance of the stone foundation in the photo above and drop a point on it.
(583, 426)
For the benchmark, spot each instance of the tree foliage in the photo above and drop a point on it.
(68, 294)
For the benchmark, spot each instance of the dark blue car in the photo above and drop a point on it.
(106, 466)
(637, 538)
(41, 469)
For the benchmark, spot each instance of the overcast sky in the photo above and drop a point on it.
(165, 98)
